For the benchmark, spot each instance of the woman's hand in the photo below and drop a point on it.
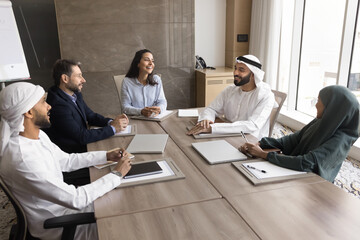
(253, 149)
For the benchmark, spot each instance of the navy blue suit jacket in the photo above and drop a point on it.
(69, 123)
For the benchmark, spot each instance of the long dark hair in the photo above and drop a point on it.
(133, 71)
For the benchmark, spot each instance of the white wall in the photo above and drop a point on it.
(210, 23)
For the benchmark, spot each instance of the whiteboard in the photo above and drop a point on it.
(12, 59)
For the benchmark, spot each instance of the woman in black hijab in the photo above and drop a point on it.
(323, 144)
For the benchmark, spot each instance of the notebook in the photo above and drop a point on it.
(219, 151)
(188, 113)
(148, 143)
(143, 169)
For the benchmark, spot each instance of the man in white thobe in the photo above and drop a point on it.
(31, 165)
(247, 104)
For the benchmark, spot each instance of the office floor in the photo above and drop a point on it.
(348, 179)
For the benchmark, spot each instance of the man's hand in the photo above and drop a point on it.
(123, 166)
(201, 127)
(150, 111)
(122, 157)
(120, 122)
(116, 154)
(254, 149)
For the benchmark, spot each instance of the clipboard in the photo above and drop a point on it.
(177, 174)
(158, 118)
(256, 181)
(212, 135)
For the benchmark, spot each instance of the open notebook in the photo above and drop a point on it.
(219, 151)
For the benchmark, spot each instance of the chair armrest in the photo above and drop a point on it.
(70, 220)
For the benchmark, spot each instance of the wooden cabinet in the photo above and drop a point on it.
(209, 83)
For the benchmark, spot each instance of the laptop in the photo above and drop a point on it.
(148, 143)
(219, 151)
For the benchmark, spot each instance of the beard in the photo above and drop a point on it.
(41, 120)
(73, 87)
(243, 80)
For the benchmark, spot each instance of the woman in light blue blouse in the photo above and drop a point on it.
(142, 92)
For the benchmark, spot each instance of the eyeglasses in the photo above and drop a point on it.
(314, 102)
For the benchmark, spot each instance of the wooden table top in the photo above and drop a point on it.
(217, 201)
(210, 220)
(225, 177)
(194, 188)
(313, 211)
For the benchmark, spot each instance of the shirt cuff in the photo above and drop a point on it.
(113, 128)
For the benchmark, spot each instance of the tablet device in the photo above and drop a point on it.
(219, 151)
(143, 169)
(148, 143)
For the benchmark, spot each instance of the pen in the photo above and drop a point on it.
(246, 153)
(243, 135)
(263, 171)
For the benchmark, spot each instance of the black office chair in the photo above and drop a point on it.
(20, 231)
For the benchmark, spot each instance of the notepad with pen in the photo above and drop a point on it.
(259, 171)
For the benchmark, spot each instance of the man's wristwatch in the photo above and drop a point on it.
(117, 173)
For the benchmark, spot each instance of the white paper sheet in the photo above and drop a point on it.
(126, 131)
(161, 115)
(271, 170)
(188, 113)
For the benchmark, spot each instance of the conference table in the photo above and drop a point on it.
(217, 201)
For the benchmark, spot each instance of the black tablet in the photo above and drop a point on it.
(143, 169)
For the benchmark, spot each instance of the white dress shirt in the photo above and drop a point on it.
(135, 96)
(32, 169)
(247, 111)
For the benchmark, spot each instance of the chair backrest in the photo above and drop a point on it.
(21, 228)
(118, 82)
(280, 99)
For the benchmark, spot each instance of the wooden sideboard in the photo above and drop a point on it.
(209, 83)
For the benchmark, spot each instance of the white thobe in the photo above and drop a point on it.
(32, 169)
(247, 111)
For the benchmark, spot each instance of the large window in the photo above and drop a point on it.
(320, 50)
(354, 78)
(320, 46)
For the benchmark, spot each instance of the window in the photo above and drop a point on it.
(320, 46)
(354, 78)
(320, 50)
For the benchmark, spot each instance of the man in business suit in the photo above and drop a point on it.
(70, 116)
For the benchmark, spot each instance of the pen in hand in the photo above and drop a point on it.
(260, 170)
(243, 135)
(246, 153)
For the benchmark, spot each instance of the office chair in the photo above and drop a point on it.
(280, 99)
(69, 222)
(118, 82)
